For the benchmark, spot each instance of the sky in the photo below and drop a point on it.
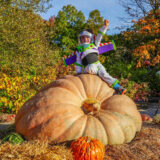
(109, 9)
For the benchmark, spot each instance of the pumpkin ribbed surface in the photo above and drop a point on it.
(77, 106)
(87, 148)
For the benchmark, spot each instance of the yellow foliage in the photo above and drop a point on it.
(16, 90)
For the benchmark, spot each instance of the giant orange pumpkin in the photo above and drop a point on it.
(77, 106)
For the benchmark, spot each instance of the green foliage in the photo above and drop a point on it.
(154, 80)
(18, 36)
(118, 64)
(29, 5)
(69, 22)
(95, 21)
(23, 41)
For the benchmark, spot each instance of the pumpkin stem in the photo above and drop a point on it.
(91, 106)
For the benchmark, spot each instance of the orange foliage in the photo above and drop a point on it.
(149, 25)
(150, 49)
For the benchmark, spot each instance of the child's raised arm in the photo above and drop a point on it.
(101, 32)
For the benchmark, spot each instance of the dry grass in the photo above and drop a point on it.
(34, 150)
(145, 146)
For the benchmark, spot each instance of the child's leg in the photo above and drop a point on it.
(110, 80)
(105, 76)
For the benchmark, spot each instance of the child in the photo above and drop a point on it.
(87, 56)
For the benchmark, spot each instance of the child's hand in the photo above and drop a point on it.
(106, 22)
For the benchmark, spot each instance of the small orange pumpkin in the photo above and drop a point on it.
(146, 117)
(87, 148)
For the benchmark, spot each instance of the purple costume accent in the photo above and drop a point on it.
(70, 60)
(105, 48)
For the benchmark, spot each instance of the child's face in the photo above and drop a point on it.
(85, 39)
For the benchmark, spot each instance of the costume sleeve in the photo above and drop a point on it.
(101, 33)
(78, 63)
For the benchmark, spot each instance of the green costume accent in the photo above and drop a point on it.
(101, 33)
(64, 62)
(114, 46)
(77, 64)
(13, 138)
(96, 62)
(115, 83)
(82, 49)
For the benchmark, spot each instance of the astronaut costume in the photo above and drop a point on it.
(87, 57)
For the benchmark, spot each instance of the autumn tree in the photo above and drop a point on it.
(143, 39)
